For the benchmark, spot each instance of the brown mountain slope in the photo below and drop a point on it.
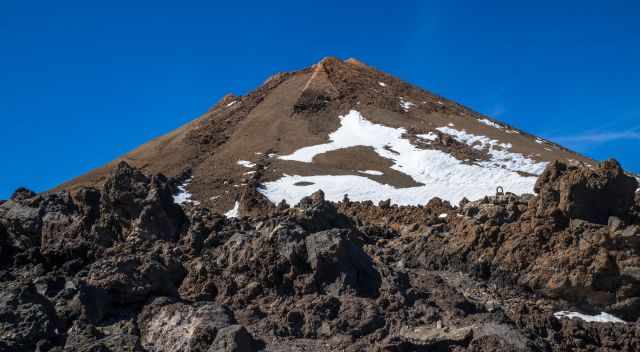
(302, 108)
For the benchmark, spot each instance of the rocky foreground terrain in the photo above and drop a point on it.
(124, 268)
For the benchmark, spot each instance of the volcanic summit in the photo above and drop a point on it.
(348, 129)
(335, 208)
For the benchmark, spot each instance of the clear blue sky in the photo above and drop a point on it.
(82, 83)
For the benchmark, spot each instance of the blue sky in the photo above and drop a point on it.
(82, 83)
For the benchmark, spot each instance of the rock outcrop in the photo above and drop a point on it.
(125, 269)
(583, 193)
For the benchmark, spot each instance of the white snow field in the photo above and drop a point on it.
(441, 174)
(600, 318)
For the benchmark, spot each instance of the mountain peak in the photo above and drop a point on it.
(347, 129)
(356, 62)
(327, 60)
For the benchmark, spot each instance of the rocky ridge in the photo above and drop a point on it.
(123, 268)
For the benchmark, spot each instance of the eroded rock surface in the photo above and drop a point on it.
(123, 268)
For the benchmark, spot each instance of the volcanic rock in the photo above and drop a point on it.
(437, 338)
(127, 259)
(27, 319)
(587, 194)
(167, 326)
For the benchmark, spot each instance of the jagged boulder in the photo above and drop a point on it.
(64, 234)
(159, 217)
(437, 338)
(136, 206)
(583, 193)
(27, 319)
(126, 279)
(358, 317)
(50, 225)
(22, 193)
(85, 337)
(316, 214)
(340, 266)
(233, 338)
(21, 218)
(169, 326)
(125, 191)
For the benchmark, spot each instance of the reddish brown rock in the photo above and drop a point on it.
(587, 194)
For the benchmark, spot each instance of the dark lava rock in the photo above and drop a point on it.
(340, 266)
(124, 269)
(84, 337)
(142, 207)
(316, 214)
(126, 279)
(26, 319)
(234, 338)
(175, 326)
(582, 193)
(22, 194)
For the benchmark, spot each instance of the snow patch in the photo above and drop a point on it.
(246, 163)
(231, 103)
(600, 318)
(183, 196)
(382, 84)
(372, 172)
(440, 174)
(539, 141)
(499, 152)
(405, 104)
(428, 136)
(490, 123)
(234, 212)
(443, 215)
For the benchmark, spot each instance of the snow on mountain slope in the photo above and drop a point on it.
(402, 143)
(600, 318)
(183, 196)
(233, 212)
(499, 152)
(440, 174)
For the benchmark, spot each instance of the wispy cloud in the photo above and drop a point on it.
(599, 137)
